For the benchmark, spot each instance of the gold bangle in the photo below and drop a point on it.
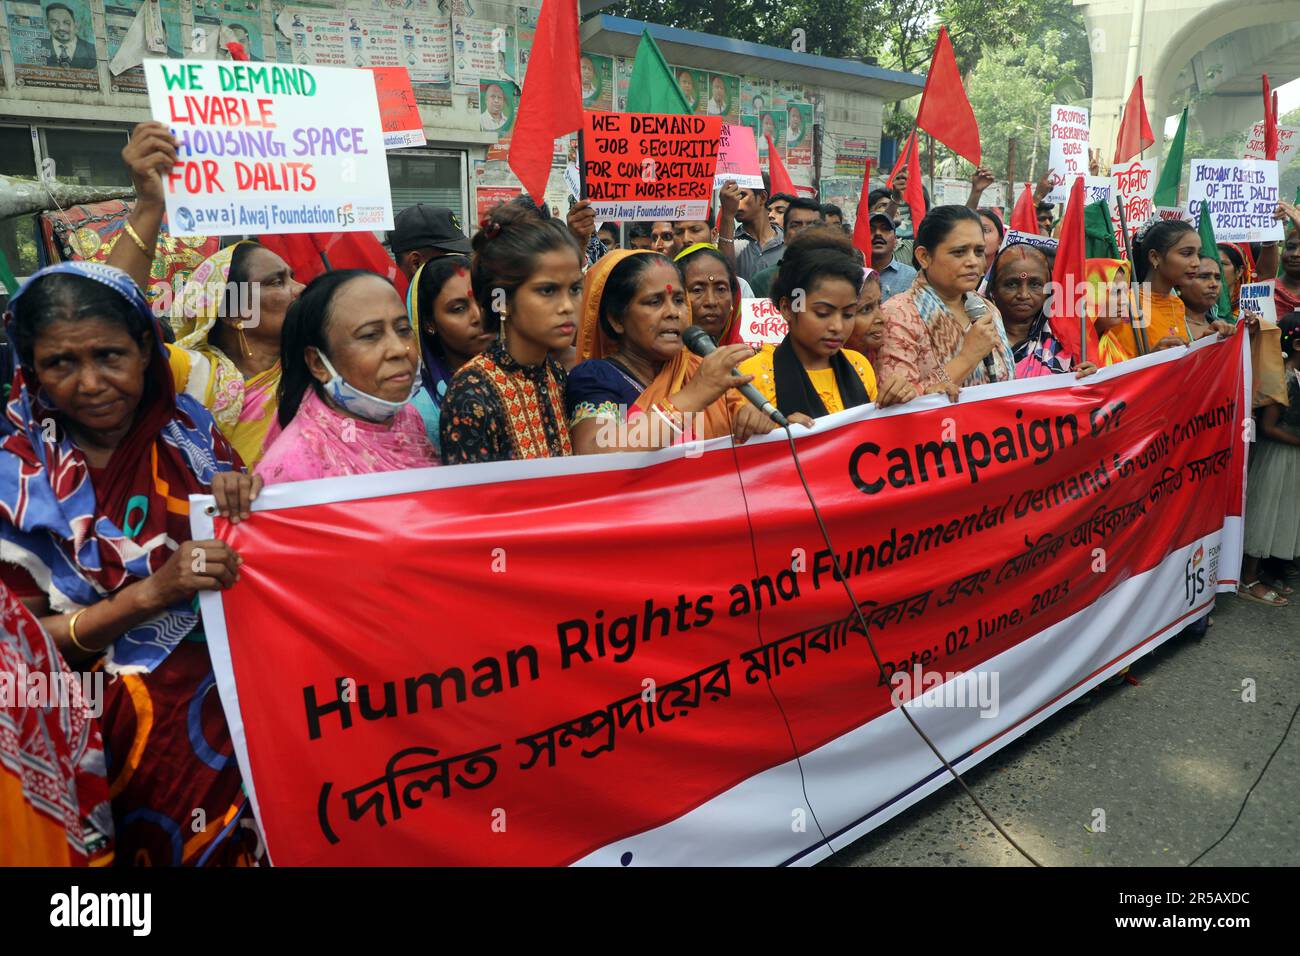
(135, 237)
(72, 632)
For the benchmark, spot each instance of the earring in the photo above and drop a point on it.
(243, 342)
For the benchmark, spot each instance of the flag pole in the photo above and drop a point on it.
(1139, 323)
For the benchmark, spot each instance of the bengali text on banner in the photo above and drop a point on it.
(615, 659)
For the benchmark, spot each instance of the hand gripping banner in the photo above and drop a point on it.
(648, 659)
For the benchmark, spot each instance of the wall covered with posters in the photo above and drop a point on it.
(466, 58)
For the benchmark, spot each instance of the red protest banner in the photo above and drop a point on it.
(576, 660)
(649, 166)
(398, 112)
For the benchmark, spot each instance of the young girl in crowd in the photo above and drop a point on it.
(1273, 482)
(929, 338)
(1020, 277)
(993, 233)
(636, 371)
(1166, 253)
(1235, 271)
(810, 372)
(868, 333)
(449, 331)
(350, 372)
(508, 401)
(714, 292)
(93, 513)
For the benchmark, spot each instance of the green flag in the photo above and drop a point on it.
(6, 275)
(1210, 248)
(1099, 233)
(1171, 174)
(652, 88)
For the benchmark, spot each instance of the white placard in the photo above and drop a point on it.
(1257, 297)
(1067, 155)
(1241, 195)
(1014, 237)
(1134, 184)
(266, 148)
(1288, 140)
(761, 322)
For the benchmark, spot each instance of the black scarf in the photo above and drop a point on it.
(794, 389)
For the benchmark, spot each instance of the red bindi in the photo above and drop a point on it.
(670, 289)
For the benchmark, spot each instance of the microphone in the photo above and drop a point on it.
(698, 341)
(976, 310)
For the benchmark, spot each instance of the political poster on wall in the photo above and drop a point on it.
(798, 146)
(419, 40)
(53, 46)
(1068, 529)
(525, 32)
(481, 50)
(597, 81)
(499, 100)
(723, 97)
(755, 95)
(242, 23)
(622, 81)
(118, 17)
(271, 148)
(1241, 195)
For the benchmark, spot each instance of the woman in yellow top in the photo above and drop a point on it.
(811, 372)
(1165, 255)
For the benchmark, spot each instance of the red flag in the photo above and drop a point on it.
(945, 113)
(1024, 218)
(862, 221)
(550, 105)
(778, 178)
(1068, 318)
(306, 253)
(902, 158)
(1134, 131)
(1270, 121)
(913, 192)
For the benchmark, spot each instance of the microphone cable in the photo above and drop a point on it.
(848, 589)
(862, 621)
(758, 624)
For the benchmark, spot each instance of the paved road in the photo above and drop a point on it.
(1168, 760)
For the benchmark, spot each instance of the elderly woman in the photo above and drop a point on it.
(1019, 287)
(637, 372)
(98, 455)
(350, 371)
(714, 291)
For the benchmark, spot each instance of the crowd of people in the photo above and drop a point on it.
(536, 338)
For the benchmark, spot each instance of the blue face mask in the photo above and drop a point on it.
(362, 404)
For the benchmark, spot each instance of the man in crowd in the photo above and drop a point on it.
(1046, 214)
(799, 215)
(608, 235)
(423, 232)
(833, 214)
(895, 276)
(759, 243)
(776, 206)
(661, 238)
(638, 235)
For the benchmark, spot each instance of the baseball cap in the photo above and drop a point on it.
(885, 218)
(423, 225)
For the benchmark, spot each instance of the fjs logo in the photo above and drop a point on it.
(1194, 576)
(345, 215)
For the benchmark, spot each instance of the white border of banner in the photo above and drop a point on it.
(861, 768)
